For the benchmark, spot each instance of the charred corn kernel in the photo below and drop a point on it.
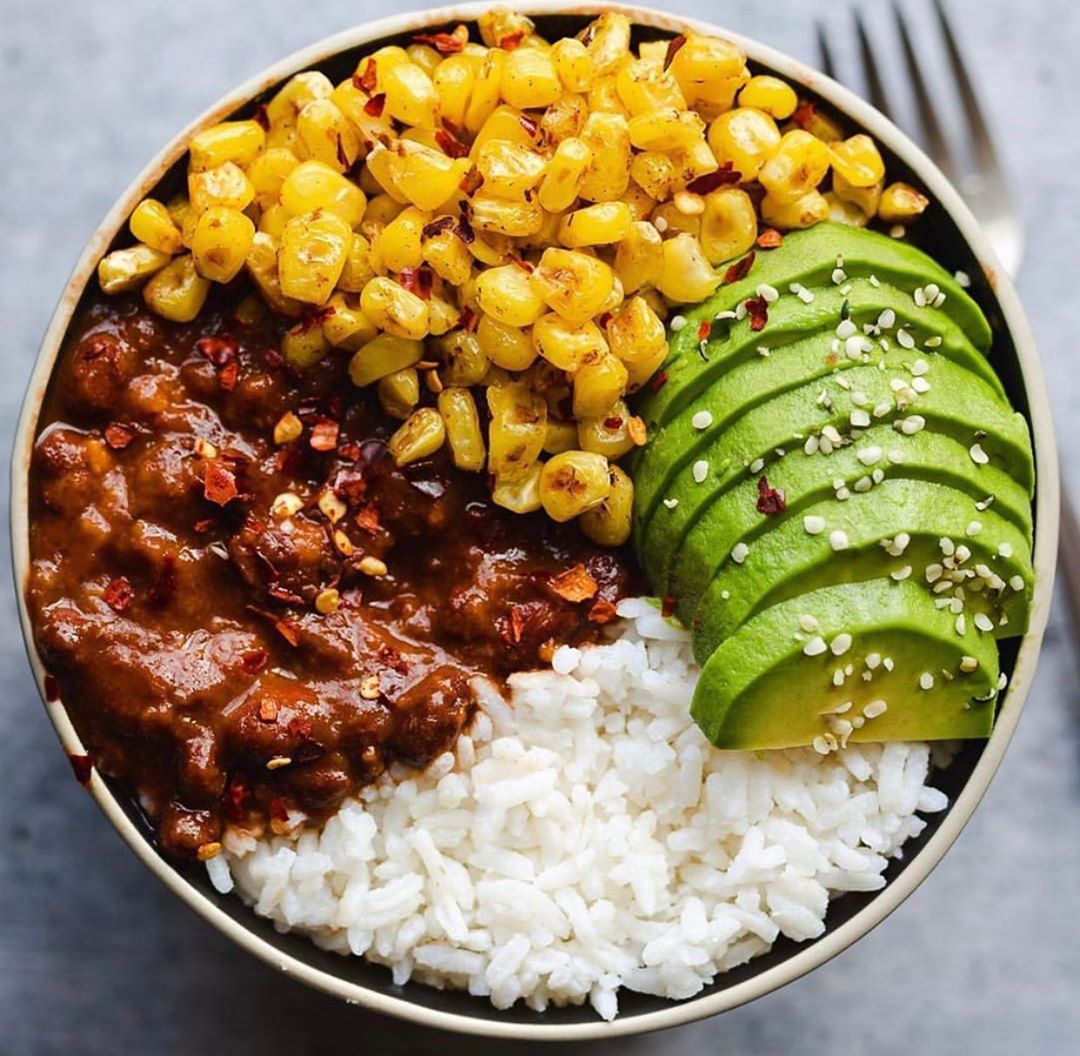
(399, 244)
(665, 128)
(670, 219)
(638, 202)
(573, 482)
(458, 410)
(645, 86)
(297, 92)
(505, 217)
(595, 225)
(561, 436)
(608, 41)
(125, 269)
(567, 346)
(704, 66)
(608, 523)
(382, 355)
(491, 249)
(410, 95)
(393, 308)
(517, 431)
(382, 62)
(312, 185)
(267, 173)
(509, 169)
(693, 161)
(399, 393)
(529, 79)
(506, 346)
(505, 124)
(565, 171)
(822, 126)
(769, 94)
(858, 161)
(346, 326)
(564, 119)
(686, 276)
(728, 225)
(607, 434)
(262, 266)
(221, 244)
(654, 173)
(867, 199)
(745, 138)
(423, 433)
(303, 346)
(357, 270)
(152, 225)
(225, 185)
(448, 257)
(636, 335)
(314, 249)
(288, 428)
(442, 316)
(806, 211)
(237, 141)
(598, 383)
(484, 98)
(509, 296)
(184, 217)
(465, 360)
(177, 292)
(901, 203)
(844, 212)
(797, 165)
(499, 25)
(326, 135)
(519, 495)
(608, 173)
(427, 178)
(453, 81)
(639, 257)
(573, 284)
(573, 64)
(353, 103)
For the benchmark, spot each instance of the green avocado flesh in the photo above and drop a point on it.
(760, 689)
(858, 450)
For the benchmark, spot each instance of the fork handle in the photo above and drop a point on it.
(1069, 552)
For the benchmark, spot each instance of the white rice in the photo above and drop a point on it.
(590, 839)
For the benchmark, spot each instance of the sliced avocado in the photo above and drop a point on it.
(769, 686)
(733, 341)
(749, 378)
(957, 404)
(855, 540)
(805, 480)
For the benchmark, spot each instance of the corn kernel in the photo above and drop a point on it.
(499, 26)
(595, 225)
(901, 203)
(487, 80)
(746, 139)
(151, 224)
(858, 161)
(671, 220)
(686, 276)
(466, 364)
(564, 119)
(806, 211)
(448, 257)
(519, 495)
(382, 355)
(654, 173)
(226, 185)
(399, 392)
(314, 248)
(797, 166)
(184, 217)
(728, 225)
(398, 246)
(644, 86)
(821, 126)
(604, 98)
(771, 95)
(237, 141)
(126, 269)
(561, 436)
(708, 68)
(507, 347)
(573, 482)
(567, 346)
(574, 64)
(424, 56)
(326, 135)
(505, 124)
(425, 177)
(517, 430)
(287, 429)
(573, 284)
(607, 434)
(867, 199)
(608, 523)
(529, 79)
(410, 95)
(608, 137)
(638, 202)
(346, 326)
(262, 266)
(491, 250)
(665, 128)
(353, 102)
(565, 172)
(608, 41)
(303, 346)
(639, 257)
(509, 169)
(508, 296)
(636, 335)
(296, 93)
(423, 433)
(221, 244)
(844, 212)
(312, 185)
(393, 308)
(458, 409)
(693, 161)
(380, 211)
(358, 269)
(505, 217)
(598, 383)
(267, 173)
(177, 292)
(453, 80)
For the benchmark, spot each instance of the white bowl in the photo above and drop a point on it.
(962, 242)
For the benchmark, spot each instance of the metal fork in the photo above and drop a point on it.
(982, 182)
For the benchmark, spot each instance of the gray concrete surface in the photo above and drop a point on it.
(95, 958)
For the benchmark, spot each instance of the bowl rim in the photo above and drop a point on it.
(1047, 502)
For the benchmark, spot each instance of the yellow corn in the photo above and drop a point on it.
(844, 212)
(505, 217)
(655, 173)
(573, 482)
(314, 249)
(517, 431)
(529, 79)
(393, 308)
(639, 257)
(380, 211)
(669, 219)
(745, 138)
(442, 315)
(638, 202)
(484, 97)
(466, 362)
(267, 173)
(226, 185)
(704, 66)
(797, 166)
(184, 217)
(297, 92)
(427, 178)
(453, 80)
(728, 224)
(574, 64)
(125, 269)
(491, 249)
(384, 60)
(506, 346)
(399, 246)
(423, 433)
(303, 346)
(221, 244)
(358, 269)
(326, 135)
(424, 56)
(499, 26)
(858, 161)
(607, 434)
(567, 346)
(382, 355)
(608, 137)
(686, 276)
(565, 171)
(458, 410)
(151, 224)
(901, 203)
(822, 127)
(572, 283)
(608, 523)
(177, 292)
(509, 169)
(811, 208)
(693, 161)
(370, 128)
(636, 335)
(561, 436)
(643, 86)
(519, 495)
(564, 119)
(312, 185)
(608, 41)
(346, 326)
(399, 392)
(410, 95)
(448, 257)
(604, 98)
(598, 383)
(867, 199)
(272, 220)
(508, 296)
(505, 124)
(665, 128)
(262, 266)
(771, 95)
(595, 225)
(237, 141)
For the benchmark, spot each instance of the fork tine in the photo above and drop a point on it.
(933, 136)
(874, 88)
(825, 56)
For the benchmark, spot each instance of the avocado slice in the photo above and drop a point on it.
(805, 480)
(768, 686)
(749, 379)
(957, 404)
(795, 559)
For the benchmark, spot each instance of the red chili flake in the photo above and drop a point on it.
(235, 799)
(418, 281)
(517, 622)
(118, 436)
(219, 350)
(667, 605)
(758, 310)
(118, 594)
(613, 423)
(287, 460)
(804, 113)
(368, 519)
(451, 146)
(314, 318)
(445, 43)
(740, 269)
(81, 765)
(164, 589)
(350, 485)
(373, 107)
(203, 526)
(279, 810)
(673, 49)
(350, 452)
(254, 660)
(574, 585)
(602, 611)
(52, 689)
(288, 630)
(658, 381)
(770, 238)
(437, 226)
(522, 263)
(261, 116)
(722, 177)
(342, 156)
(299, 727)
(770, 500)
(366, 81)
(219, 483)
(703, 330)
(227, 377)
(285, 596)
(465, 230)
(471, 182)
(324, 435)
(531, 126)
(469, 320)
(268, 710)
(512, 41)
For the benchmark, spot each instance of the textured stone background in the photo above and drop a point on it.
(95, 958)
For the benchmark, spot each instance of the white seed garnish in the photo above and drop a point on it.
(860, 419)
(702, 420)
(845, 329)
(983, 622)
(912, 424)
(840, 644)
(815, 646)
(870, 456)
(978, 455)
(968, 664)
(739, 553)
(700, 471)
(769, 294)
(919, 368)
(901, 573)
(904, 339)
(875, 708)
(678, 322)
(1005, 550)
(974, 527)
(838, 539)
(809, 623)
(961, 625)
(926, 680)
(671, 503)
(1017, 583)
(813, 525)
